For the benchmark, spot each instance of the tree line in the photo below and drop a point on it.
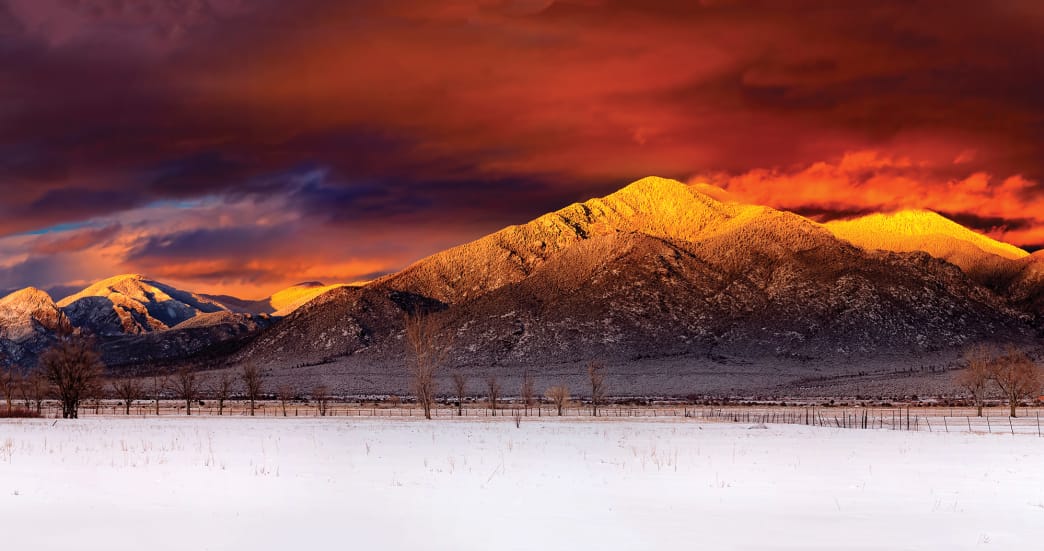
(72, 371)
(428, 347)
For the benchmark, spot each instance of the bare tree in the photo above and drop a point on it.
(493, 393)
(75, 370)
(253, 378)
(460, 385)
(596, 376)
(559, 396)
(34, 389)
(185, 386)
(24, 391)
(1017, 376)
(321, 395)
(126, 389)
(160, 383)
(975, 377)
(527, 390)
(426, 354)
(285, 393)
(9, 383)
(223, 390)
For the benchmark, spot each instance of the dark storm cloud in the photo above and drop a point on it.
(204, 243)
(443, 116)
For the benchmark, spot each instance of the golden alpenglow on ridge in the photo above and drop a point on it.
(920, 230)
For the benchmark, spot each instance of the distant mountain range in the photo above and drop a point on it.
(677, 288)
(138, 320)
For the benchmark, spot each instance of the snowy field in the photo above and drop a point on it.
(240, 483)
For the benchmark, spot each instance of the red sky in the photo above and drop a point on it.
(243, 145)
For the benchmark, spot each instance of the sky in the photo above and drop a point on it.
(240, 146)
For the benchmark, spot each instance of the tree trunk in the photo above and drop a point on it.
(188, 407)
(978, 410)
(126, 407)
(251, 407)
(1013, 403)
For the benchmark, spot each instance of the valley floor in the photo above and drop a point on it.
(286, 483)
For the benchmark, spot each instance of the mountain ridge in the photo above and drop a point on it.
(658, 273)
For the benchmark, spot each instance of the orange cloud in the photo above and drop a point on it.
(870, 180)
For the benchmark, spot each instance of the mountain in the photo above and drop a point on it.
(652, 206)
(1007, 270)
(658, 280)
(132, 303)
(133, 319)
(922, 230)
(27, 312)
(279, 303)
(27, 318)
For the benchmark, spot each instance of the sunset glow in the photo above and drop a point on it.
(240, 147)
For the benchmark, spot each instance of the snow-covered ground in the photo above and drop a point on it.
(240, 483)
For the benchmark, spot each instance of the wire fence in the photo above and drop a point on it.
(994, 420)
(930, 419)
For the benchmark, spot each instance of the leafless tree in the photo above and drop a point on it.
(223, 390)
(493, 393)
(527, 391)
(158, 387)
(34, 389)
(975, 377)
(126, 389)
(321, 395)
(253, 378)
(285, 393)
(186, 387)
(460, 385)
(1017, 376)
(596, 376)
(426, 351)
(72, 366)
(9, 383)
(559, 396)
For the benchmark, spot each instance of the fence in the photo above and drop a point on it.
(931, 419)
(928, 419)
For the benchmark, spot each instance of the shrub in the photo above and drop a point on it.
(18, 413)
